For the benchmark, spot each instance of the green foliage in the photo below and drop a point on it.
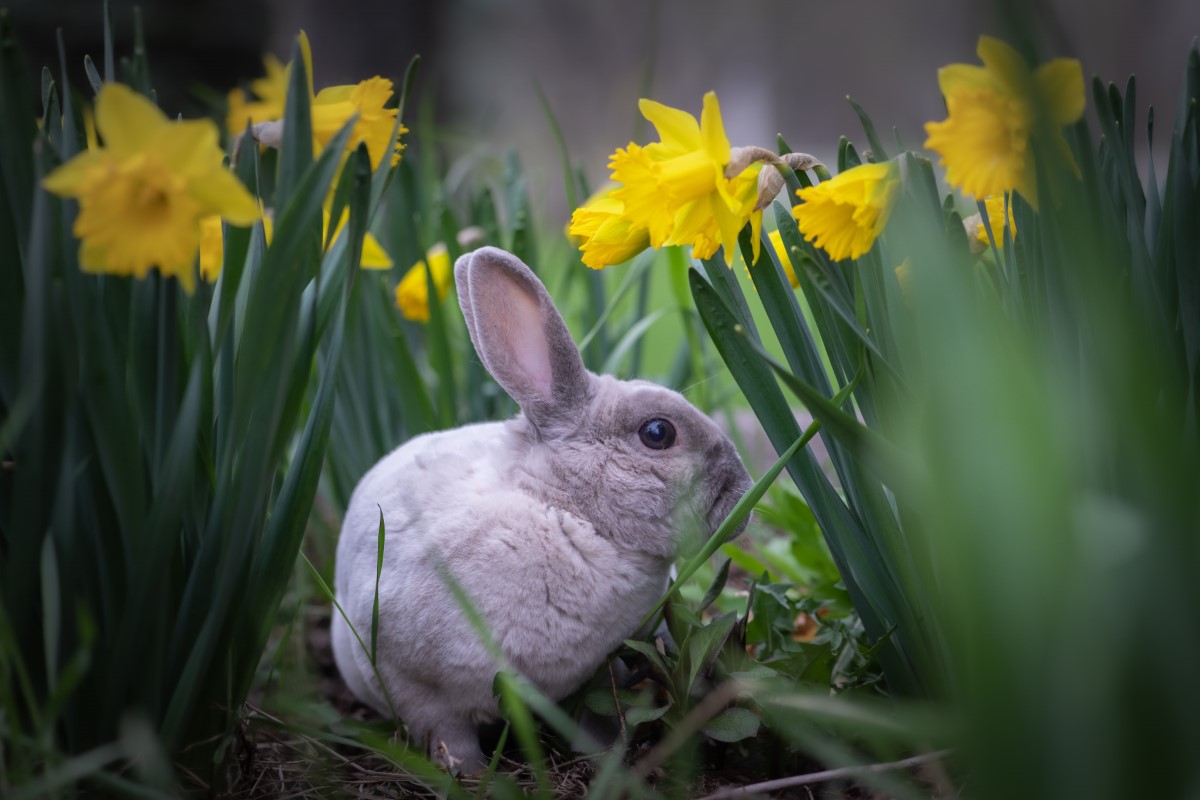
(1017, 456)
(161, 451)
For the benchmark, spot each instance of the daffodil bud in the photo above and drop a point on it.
(470, 236)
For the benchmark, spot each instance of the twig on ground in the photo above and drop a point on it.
(617, 701)
(825, 775)
(705, 710)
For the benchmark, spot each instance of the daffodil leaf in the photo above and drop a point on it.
(139, 65)
(110, 72)
(296, 151)
(783, 310)
(237, 242)
(891, 464)
(440, 356)
(340, 266)
(286, 527)
(89, 68)
(879, 152)
(869, 580)
(636, 333)
(847, 157)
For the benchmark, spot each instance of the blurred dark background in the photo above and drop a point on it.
(778, 66)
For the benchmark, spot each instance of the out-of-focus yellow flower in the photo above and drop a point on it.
(676, 188)
(606, 236)
(844, 215)
(212, 244)
(784, 259)
(995, 214)
(412, 293)
(993, 113)
(332, 107)
(143, 193)
(270, 92)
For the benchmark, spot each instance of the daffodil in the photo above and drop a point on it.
(606, 236)
(412, 293)
(212, 244)
(270, 92)
(676, 188)
(995, 111)
(845, 215)
(332, 107)
(996, 221)
(143, 192)
(785, 260)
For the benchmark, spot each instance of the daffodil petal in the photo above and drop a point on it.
(127, 121)
(373, 254)
(212, 248)
(1003, 61)
(334, 94)
(1060, 87)
(190, 147)
(677, 129)
(69, 179)
(712, 130)
(220, 192)
(959, 77)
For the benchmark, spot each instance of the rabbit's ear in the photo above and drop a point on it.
(519, 334)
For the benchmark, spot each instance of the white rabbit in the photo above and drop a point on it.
(560, 524)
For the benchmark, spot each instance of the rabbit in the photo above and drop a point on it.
(560, 524)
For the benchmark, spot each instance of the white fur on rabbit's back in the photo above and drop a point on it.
(557, 596)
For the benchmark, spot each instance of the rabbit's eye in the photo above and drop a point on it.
(657, 434)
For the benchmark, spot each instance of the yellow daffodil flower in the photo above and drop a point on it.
(993, 113)
(412, 293)
(995, 214)
(143, 193)
(844, 215)
(331, 108)
(270, 91)
(212, 244)
(785, 260)
(606, 236)
(676, 188)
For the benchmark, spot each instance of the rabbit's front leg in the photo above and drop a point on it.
(453, 743)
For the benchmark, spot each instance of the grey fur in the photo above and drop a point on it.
(559, 523)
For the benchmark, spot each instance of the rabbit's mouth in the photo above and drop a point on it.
(724, 502)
